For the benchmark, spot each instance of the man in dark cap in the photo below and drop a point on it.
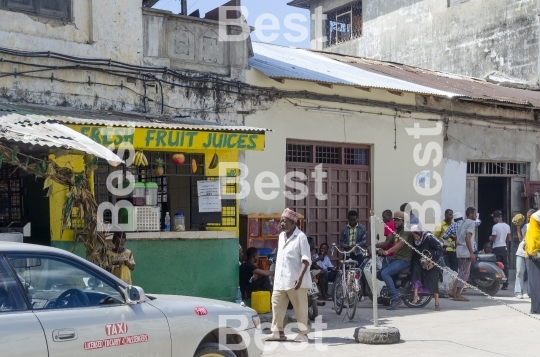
(500, 235)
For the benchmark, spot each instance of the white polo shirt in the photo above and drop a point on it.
(289, 261)
(500, 231)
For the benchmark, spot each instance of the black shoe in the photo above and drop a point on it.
(394, 304)
(504, 287)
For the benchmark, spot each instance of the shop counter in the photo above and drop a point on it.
(182, 235)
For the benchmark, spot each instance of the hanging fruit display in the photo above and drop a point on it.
(159, 168)
(140, 159)
(193, 166)
(178, 159)
(214, 163)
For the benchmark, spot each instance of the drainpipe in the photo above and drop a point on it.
(184, 7)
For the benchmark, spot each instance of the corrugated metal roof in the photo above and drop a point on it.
(304, 4)
(134, 120)
(37, 130)
(280, 62)
(462, 85)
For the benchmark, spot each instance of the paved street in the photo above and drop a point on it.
(476, 328)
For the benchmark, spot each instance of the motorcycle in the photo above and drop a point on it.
(487, 274)
(313, 309)
(402, 282)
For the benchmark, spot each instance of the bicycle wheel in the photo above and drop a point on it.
(352, 296)
(338, 295)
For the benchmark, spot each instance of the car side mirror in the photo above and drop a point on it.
(134, 295)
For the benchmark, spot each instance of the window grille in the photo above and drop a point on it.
(11, 202)
(299, 153)
(58, 9)
(344, 23)
(327, 155)
(496, 168)
(475, 167)
(516, 168)
(356, 156)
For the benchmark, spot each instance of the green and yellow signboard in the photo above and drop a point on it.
(170, 139)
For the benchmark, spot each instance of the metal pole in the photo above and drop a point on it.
(374, 271)
(184, 7)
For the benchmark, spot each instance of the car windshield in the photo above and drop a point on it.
(52, 282)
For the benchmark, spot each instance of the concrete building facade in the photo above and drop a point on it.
(496, 40)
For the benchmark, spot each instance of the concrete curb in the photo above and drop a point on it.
(377, 335)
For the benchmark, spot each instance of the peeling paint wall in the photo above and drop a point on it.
(479, 38)
(208, 71)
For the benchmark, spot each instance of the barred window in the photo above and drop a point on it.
(356, 156)
(299, 153)
(487, 168)
(344, 23)
(58, 9)
(328, 155)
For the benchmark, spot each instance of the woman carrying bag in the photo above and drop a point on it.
(425, 275)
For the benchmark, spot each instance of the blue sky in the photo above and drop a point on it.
(260, 12)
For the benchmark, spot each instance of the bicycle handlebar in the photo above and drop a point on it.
(334, 247)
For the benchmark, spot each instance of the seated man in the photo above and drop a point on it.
(316, 271)
(401, 259)
(329, 270)
(248, 283)
(487, 249)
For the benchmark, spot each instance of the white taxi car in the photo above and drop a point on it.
(54, 303)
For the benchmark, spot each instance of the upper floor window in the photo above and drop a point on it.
(344, 23)
(57, 9)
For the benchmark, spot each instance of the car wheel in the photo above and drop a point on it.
(213, 349)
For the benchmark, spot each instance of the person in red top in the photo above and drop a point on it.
(389, 231)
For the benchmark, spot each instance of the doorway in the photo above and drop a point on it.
(492, 195)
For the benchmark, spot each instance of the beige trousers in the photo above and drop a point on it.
(299, 301)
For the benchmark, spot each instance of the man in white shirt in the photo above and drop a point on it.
(500, 235)
(291, 283)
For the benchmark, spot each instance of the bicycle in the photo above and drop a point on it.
(347, 283)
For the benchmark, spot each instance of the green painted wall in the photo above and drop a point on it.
(205, 268)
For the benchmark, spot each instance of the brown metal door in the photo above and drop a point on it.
(347, 187)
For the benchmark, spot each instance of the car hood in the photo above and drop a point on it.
(189, 303)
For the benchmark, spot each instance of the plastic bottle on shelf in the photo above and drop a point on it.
(167, 222)
(238, 296)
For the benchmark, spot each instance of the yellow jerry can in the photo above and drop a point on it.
(260, 302)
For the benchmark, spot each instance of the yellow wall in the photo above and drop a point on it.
(76, 163)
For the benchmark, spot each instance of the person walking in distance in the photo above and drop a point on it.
(291, 283)
(500, 235)
(464, 253)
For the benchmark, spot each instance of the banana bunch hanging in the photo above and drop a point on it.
(140, 159)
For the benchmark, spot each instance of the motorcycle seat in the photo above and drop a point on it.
(487, 257)
(404, 272)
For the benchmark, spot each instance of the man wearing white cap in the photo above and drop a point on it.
(291, 283)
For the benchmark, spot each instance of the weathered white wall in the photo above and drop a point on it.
(100, 29)
(454, 186)
(392, 171)
(115, 30)
(478, 38)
